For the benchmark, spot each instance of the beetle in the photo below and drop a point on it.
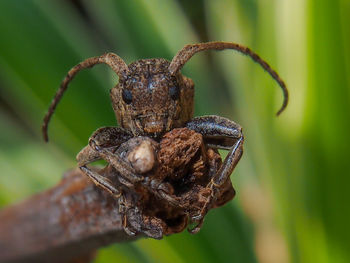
(152, 98)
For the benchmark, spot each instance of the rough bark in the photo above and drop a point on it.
(65, 223)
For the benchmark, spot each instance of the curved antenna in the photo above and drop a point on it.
(189, 50)
(115, 62)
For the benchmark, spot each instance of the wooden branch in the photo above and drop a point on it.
(63, 223)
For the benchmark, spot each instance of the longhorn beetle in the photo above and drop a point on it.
(151, 98)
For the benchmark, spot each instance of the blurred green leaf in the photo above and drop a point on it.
(297, 162)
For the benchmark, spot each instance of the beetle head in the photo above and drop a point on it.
(149, 100)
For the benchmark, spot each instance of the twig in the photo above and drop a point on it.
(63, 223)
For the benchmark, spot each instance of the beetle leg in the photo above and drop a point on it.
(117, 162)
(134, 221)
(125, 205)
(108, 137)
(105, 141)
(125, 182)
(102, 145)
(164, 191)
(198, 227)
(220, 133)
(100, 181)
(152, 227)
(169, 198)
(87, 155)
(126, 227)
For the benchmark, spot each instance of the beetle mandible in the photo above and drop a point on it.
(151, 98)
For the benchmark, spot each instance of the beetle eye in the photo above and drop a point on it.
(174, 92)
(127, 96)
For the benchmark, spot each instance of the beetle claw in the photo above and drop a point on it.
(197, 227)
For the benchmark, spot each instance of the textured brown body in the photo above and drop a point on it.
(152, 100)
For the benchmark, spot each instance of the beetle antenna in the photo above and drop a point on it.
(115, 62)
(189, 50)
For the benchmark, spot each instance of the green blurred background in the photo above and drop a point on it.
(293, 180)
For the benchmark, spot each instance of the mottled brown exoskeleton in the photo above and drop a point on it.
(151, 98)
